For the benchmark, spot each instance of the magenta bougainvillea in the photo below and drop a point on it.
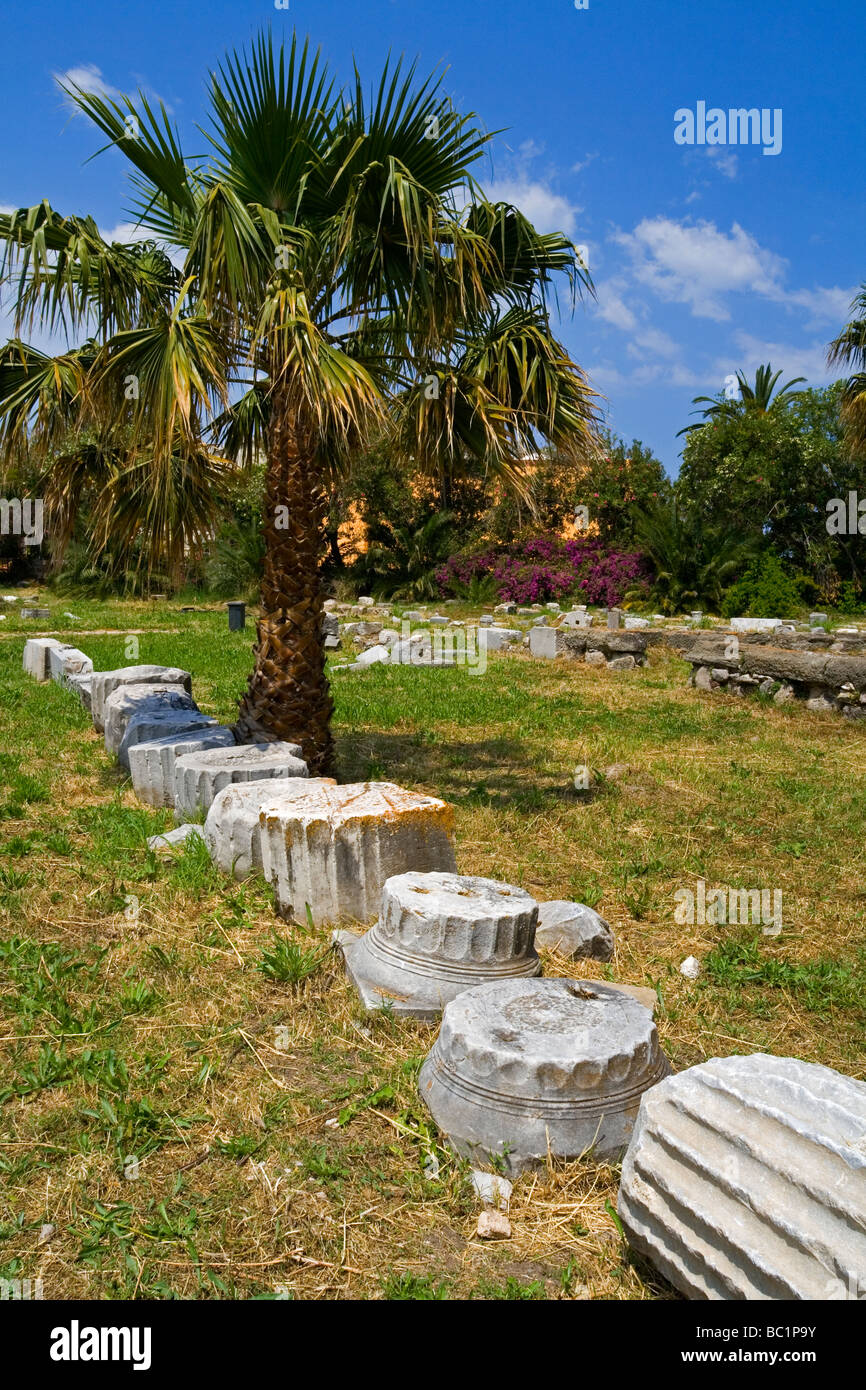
(547, 567)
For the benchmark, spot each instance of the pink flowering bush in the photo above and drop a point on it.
(547, 567)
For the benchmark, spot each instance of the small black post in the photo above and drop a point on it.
(237, 617)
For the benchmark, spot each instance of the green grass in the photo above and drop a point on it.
(190, 1091)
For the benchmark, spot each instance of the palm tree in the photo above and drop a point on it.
(339, 261)
(754, 400)
(692, 562)
(850, 349)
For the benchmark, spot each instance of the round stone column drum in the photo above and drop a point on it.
(439, 934)
(523, 1068)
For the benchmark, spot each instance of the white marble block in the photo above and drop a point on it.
(127, 700)
(64, 662)
(199, 776)
(36, 661)
(148, 724)
(105, 682)
(233, 830)
(335, 848)
(151, 764)
(745, 1178)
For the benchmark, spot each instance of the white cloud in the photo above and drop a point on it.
(534, 193)
(89, 78)
(611, 306)
(653, 342)
(824, 305)
(127, 232)
(792, 360)
(546, 210)
(697, 264)
(725, 161)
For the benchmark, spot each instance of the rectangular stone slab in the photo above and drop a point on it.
(334, 849)
(151, 764)
(105, 682)
(37, 657)
(68, 661)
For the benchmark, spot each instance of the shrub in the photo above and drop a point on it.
(544, 568)
(765, 590)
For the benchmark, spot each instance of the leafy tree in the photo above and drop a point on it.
(621, 484)
(770, 476)
(405, 567)
(694, 561)
(848, 350)
(340, 259)
(767, 590)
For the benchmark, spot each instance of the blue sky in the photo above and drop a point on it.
(706, 258)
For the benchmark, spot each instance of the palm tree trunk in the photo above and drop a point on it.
(288, 695)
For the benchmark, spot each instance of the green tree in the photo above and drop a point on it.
(849, 350)
(339, 256)
(619, 486)
(769, 476)
(753, 400)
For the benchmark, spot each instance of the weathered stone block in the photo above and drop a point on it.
(36, 661)
(439, 934)
(745, 1178)
(334, 848)
(621, 663)
(151, 764)
(493, 639)
(543, 642)
(173, 839)
(525, 1067)
(573, 930)
(64, 662)
(148, 724)
(199, 776)
(232, 829)
(127, 700)
(755, 624)
(105, 682)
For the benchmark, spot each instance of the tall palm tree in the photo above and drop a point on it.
(339, 261)
(754, 400)
(849, 349)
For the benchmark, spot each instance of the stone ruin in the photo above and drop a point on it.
(825, 680)
(330, 852)
(523, 1069)
(438, 934)
(745, 1178)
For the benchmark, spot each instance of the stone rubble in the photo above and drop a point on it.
(106, 682)
(573, 930)
(199, 776)
(127, 700)
(333, 849)
(232, 829)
